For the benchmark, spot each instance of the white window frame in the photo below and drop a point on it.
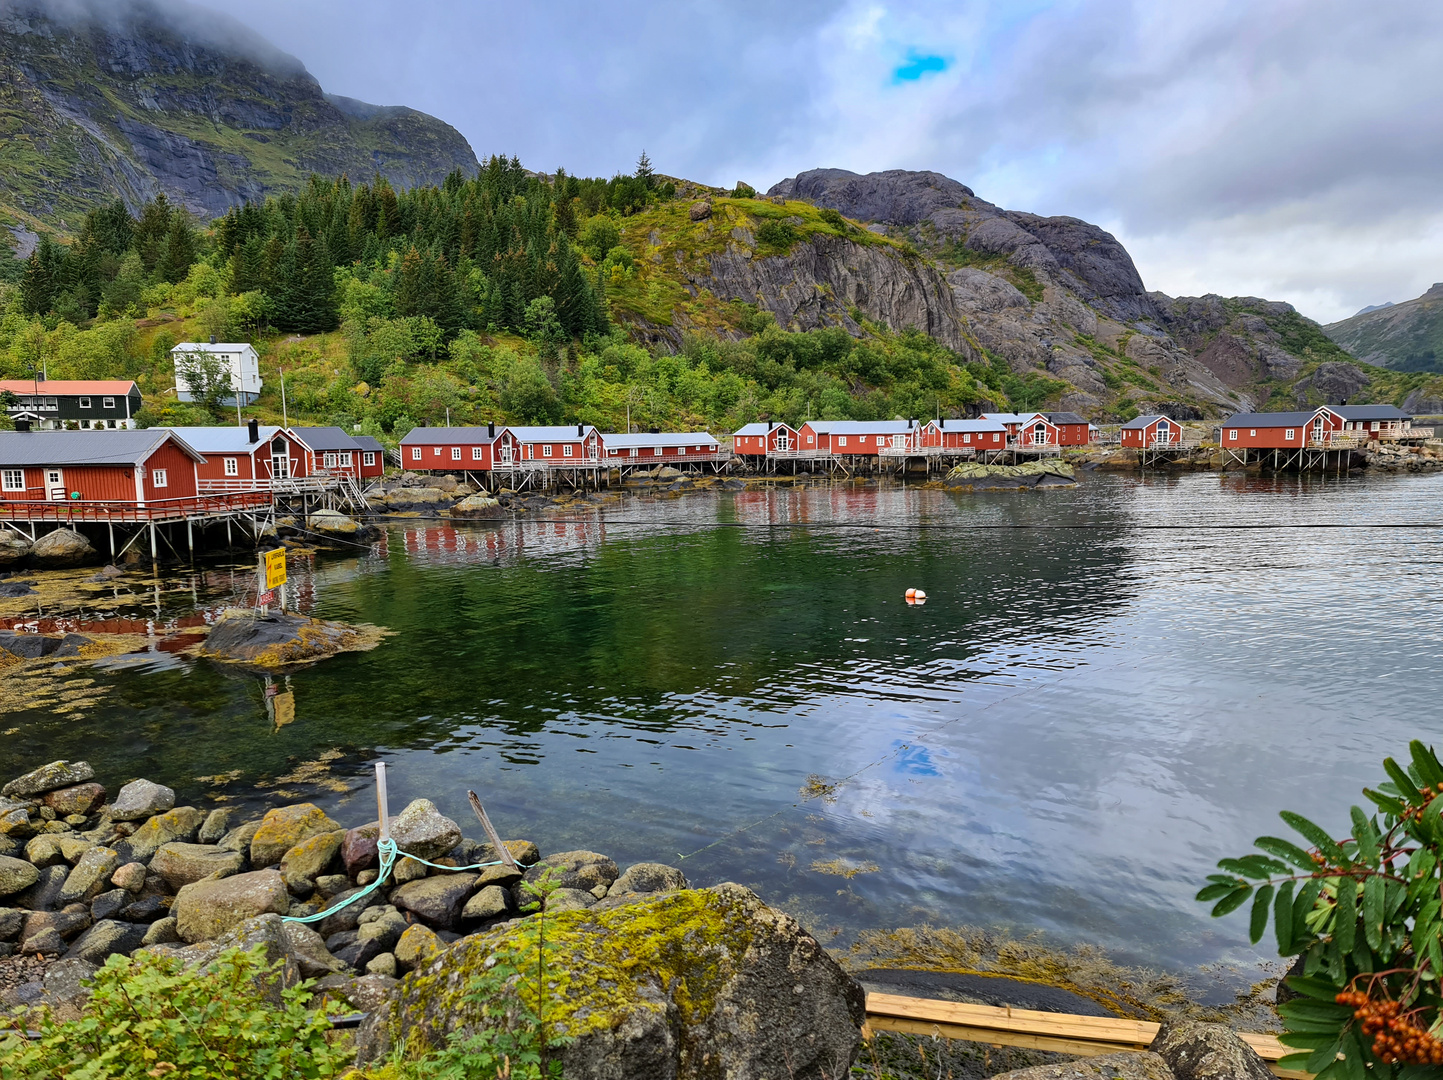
(966, 438)
(1232, 435)
(841, 440)
(862, 439)
(232, 466)
(159, 478)
(436, 451)
(12, 480)
(636, 451)
(107, 402)
(329, 459)
(455, 453)
(476, 453)
(348, 459)
(85, 402)
(54, 478)
(567, 450)
(415, 453)
(1252, 433)
(368, 457)
(545, 449)
(1289, 434)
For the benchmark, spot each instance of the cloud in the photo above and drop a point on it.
(1288, 148)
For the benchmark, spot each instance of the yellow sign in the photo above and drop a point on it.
(275, 563)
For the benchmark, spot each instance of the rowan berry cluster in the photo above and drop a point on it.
(1396, 1039)
(1427, 795)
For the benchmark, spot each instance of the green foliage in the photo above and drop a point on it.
(150, 1017)
(598, 236)
(744, 191)
(777, 234)
(1364, 914)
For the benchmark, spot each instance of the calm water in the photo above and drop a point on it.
(1108, 689)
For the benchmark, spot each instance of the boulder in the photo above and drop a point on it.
(582, 870)
(423, 831)
(147, 909)
(407, 869)
(77, 799)
(91, 876)
(205, 910)
(648, 878)
(141, 799)
(365, 994)
(67, 924)
(47, 942)
(16, 824)
(44, 894)
(437, 901)
(109, 904)
(384, 964)
(563, 900)
(285, 827)
(488, 904)
(688, 985)
(67, 981)
(13, 547)
(62, 548)
(130, 877)
(700, 210)
(161, 932)
(332, 523)
(1130, 1065)
(312, 857)
(182, 864)
(57, 774)
(475, 506)
(178, 825)
(239, 838)
(386, 927)
(280, 640)
(105, 938)
(267, 930)
(43, 850)
(416, 946)
(11, 920)
(358, 848)
(346, 916)
(1197, 1051)
(309, 950)
(217, 823)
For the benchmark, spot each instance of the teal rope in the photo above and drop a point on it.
(388, 852)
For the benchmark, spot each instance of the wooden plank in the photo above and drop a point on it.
(1063, 1033)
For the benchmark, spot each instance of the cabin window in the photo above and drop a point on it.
(12, 480)
(1288, 434)
(660, 451)
(1252, 433)
(328, 460)
(415, 453)
(347, 459)
(967, 438)
(475, 453)
(455, 453)
(862, 439)
(636, 451)
(811, 439)
(1233, 435)
(1375, 425)
(157, 478)
(368, 458)
(566, 450)
(232, 467)
(436, 451)
(842, 441)
(545, 449)
(85, 403)
(108, 402)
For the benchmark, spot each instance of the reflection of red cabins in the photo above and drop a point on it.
(761, 439)
(448, 544)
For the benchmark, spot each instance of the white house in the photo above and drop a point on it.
(244, 364)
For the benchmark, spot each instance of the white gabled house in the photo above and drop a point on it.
(240, 357)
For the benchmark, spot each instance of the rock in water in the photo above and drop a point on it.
(1125, 1066)
(332, 523)
(688, 985)
(180, 824)
(80, 799)
(62, 548)
(1198, 1051)
(13, 547)
(475, 506)
(57, 774)
(141, 799)
(282, 639)
(423, 831)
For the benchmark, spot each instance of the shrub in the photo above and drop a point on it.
(150, 1017)
(777, 234)
(1363, 913)
(833, 218)
(744, 191)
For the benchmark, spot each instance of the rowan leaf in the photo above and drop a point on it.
(1345, 917)
(1425, 763)
(1313, 987)
(1402, 780)
(1319, 837)
(1216, 891)
(1373, 912)
(1365, 833)
(1287, 851)
(1385, 803)
(1283, 919)
(1232, 901)
(1259, 920)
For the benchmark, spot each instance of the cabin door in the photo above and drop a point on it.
(280, 460)
(505, 453)
(55, 485)
(783, 443)
(1318, 430)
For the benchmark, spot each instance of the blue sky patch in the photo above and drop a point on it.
(918, 65)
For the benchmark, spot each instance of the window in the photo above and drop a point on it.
(1289, 434)
(1252, 433)
(566, 450)
(347, 459)
(157, 478)
(476, 453)
(1375, 425)
(368, 458)
(415, 453)
(1233, 435)
(436, 451)
(455, 453)
(862, 439)
(12, 480)
(85, 403)
(811, 439)
(52, 478)
(635, 451)
(967, 438)
(108, 402)
(328, 460)
(546, 450)
(842, 441)
(232, 467)
(660, 450)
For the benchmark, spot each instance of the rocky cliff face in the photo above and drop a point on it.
(139, 98)
(1406, 337)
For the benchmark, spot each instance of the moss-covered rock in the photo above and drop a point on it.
(285, 827)
(1038, 473)
(700, 984)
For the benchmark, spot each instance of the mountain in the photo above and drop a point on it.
(1405, 337)
(1059, 298)
(1375, 307)
(134, 98)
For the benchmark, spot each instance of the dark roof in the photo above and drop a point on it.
(324, 438)
(368, 442)
(1371, 412)
(1270, 419)
(433, 436)
(1064, 418)
(40, 448)
(1139, 422)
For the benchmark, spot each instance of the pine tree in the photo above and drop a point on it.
(644, 171)
(179, 251)
(37, 285)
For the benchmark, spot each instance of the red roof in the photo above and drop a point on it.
(67, 387)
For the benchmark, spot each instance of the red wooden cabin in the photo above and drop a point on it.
(858, 438)
(1374, 421)
(324, 451)
(656, 448)
(979, 434)
(238, 458)
(449, 449)
(1072, 430)
(1150, 430)
(556, 445)
(373, 456)
(130, 467)
(1280, 430)
(763, 438)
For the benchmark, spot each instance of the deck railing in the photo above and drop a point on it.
(622, 460)
(118, 510)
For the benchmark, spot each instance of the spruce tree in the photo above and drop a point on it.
(37, 285)
(644, 171)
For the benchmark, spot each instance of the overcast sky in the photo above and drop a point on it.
(1290, 149)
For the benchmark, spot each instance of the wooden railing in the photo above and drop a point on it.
(623, 458)
(117, 510)
(1062, 1033)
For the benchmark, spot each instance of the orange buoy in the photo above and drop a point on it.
(911, 594)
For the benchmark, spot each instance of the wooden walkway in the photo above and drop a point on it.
(1062, 1033)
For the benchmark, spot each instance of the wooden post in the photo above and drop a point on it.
(383, 806)
(502, 852)
(154, 555)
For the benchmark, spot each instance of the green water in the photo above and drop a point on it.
(1109, 688)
